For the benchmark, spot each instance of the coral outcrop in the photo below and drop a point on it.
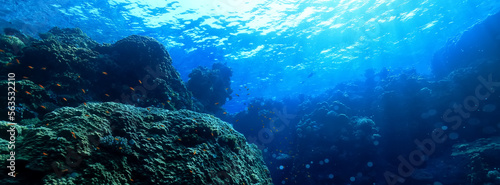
(114, 143)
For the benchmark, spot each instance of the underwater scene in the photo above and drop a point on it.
(250, 92)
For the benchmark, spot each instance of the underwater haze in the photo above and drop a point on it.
(273, 46)
(320, 92)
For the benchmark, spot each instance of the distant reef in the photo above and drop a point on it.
(114, 143)
(478, 44)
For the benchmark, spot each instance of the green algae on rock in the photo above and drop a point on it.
(113, 143)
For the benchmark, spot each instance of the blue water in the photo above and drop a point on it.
(270, 45)
(287, 55)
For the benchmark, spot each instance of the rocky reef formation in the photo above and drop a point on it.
(481, 157)
(114, 143)
(480, 43)
(211, 87)
(67, 68)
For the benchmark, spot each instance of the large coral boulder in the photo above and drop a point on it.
(67, 68)
(113, 143)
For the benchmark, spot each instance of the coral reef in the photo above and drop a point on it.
(211, 87)
(67, 68)
(481, 157)
(114, 143)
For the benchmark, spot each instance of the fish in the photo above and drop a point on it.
(224, 113)
(83, 90)
(41, 86)
(59, 85)
(43, 68)
(73, 134)
(104, 73)
(107, 95)
(168, 101)
(43, 107)
(131, 88)
(84, 103)
(217, 103)
(237, 95)
(2, 51)
(45, 153)
(237, 120)
(78, 76)
(8, 64)
(65, 99)
(27, 92)
(25, 77)
(227, 89)
(117, 139)
(107, 112)
(31, 67)
(17, 60)
(140, 81)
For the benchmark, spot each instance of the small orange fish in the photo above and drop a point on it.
(17, 60)
(131, 88)
(65, 170)
(43, 107)
(25, 77)
(43, 68)
(227, 89)
(83, 90)
(87, 115)
(45, 153)
(132, 180)
(59, 85)
(84, 103)
(237, 120)
(8, 64)
(148, 139)
(41, 86)
(140, 81)
(217, 103)
(107, 95)
(104, 73)
(117, 139)
(31, 67)
(98, 148)
(194, 153)
(2, 51)
(78, 76)
(224, 113)
(27, 92)
(65, 99)
(47, 124)
(107, 112)
(162, 125)
(120, 148)
(168, 101)
(73, 134)
(212, 134)
(148, 108)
